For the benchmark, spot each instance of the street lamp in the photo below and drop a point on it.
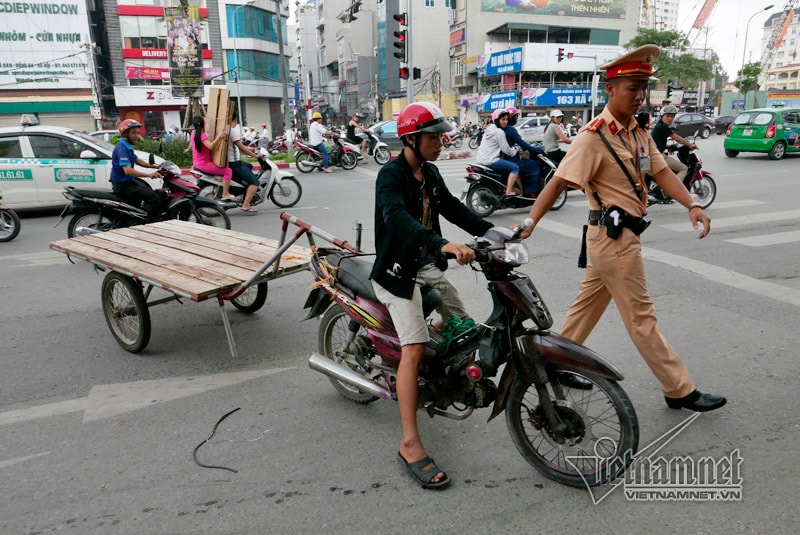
(747, 30)
(236, 60)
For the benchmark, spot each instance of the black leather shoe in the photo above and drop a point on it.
(697, 401)
(573, 381)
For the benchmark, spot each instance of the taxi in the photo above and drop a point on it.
(38, 162)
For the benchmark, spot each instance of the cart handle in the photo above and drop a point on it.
(316, 231)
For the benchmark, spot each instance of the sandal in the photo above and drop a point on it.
(249, 209)
(424, 477)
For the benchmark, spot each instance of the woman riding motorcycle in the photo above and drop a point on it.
(494, 147)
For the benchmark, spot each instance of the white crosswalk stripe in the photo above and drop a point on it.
(742, 220)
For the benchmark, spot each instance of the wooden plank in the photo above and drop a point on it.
(197, 289)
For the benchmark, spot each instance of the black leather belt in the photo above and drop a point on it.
(595, 217)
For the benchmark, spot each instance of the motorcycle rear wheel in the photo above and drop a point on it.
(9, 224)
(561, 200)
(457, 143)
(473, 142)
(90, 219)
(286, 193)
(704, 191)
(213, 216)
(333, 339)
(476, 200)
(602, 435)
(305, 163)
(382, 155)
(349, 160)
(126, 312)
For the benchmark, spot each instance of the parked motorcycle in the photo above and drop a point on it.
(9, 222)
(576, 436)
(485, 189)
(452, 139)
(476, 138)
(283, 189)
(308, 158)
(99, 210)
(698, 181)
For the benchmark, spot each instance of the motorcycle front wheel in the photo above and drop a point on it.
(601, 435)
(457, 143)
(213, 216)
(305, 162)
(9, 224)
(382, 155)
(338, 343)
(480, 199)
(349, 160)
(286, 193)
(704, 191)
(561, 200)
(88, 219)
(473, 143)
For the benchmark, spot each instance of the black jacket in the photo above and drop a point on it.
(400, 237)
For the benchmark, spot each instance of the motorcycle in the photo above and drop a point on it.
(476, 138)
(99, 210)
(308, 158)
(452, 139)
(283, 189)
(10, 224)
(575, 436)
(277, 146)
(485, 188)
(698, 181)
(377, 149)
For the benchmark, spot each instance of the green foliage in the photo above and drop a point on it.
(685, 70)
(173, 150)
(748, 77)
(665, 40)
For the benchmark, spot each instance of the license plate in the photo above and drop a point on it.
(747, 132)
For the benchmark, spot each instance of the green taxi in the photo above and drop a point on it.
(775, 131)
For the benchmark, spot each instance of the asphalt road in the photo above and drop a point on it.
(97, 440)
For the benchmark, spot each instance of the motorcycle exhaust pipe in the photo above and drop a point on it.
(86, 231)
(325, 365)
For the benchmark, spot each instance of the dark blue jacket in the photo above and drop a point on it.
(513, 138)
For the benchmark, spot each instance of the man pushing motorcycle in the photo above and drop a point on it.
(410, 194)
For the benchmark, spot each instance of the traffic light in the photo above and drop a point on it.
(669, 88)
(400, 44)
(404, 73)
(560, 55)
(417, 73)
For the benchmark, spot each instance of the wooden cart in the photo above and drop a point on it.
(190, 261)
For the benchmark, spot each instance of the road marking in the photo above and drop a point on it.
(738, 221)
(707, 271)
(10, 462)
(736, 204)
(105, 401)
(768, 239)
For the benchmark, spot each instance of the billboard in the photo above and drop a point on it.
(585, 58)
(596, 9)
(42, 45)
(185, 50)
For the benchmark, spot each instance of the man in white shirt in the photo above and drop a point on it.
(316, 138)
(242, 171)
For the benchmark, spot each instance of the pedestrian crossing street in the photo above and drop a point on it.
(721, 212)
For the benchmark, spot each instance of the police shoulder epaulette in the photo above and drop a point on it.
(594, 125)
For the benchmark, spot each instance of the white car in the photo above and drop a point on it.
(38, 162)
(532, 128)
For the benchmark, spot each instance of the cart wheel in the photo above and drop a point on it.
(252, 299)
(126, 312)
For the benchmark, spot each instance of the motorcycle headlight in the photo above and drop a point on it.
(515, 253)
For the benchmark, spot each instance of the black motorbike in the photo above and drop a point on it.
(99, 210)
(475, 138)
(485, 189)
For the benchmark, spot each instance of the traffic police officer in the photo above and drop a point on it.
(608, 160)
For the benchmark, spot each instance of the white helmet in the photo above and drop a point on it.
(669, 108)
(556, 113)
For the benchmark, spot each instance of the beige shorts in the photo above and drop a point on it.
(407, 313)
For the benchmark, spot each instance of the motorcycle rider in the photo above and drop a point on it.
(316, 138)
(528, 167)
(662, 131)
(553, 136)
(354, 138)
(410, 194)
(494, 146)
(242, 171)
(125, 178)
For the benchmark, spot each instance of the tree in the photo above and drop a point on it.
(674, 63)
(748, 80)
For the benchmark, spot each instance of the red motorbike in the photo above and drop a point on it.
(698, 181)
(99, 210)
(575, 432)
(307, 157)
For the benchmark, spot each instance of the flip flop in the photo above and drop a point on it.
(249, 210)
(424, 477)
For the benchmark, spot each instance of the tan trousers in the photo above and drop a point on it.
(676, 166)
(616, 270)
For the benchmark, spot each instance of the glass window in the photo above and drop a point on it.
(52, 147)
(760, 119)
(10, 147)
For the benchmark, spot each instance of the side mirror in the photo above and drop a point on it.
(152, 159)
(87, 154)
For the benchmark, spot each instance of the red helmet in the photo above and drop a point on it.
(127, 124)
(512, 112)
(421, 117)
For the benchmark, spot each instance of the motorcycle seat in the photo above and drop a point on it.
(95, 193)
(200, 172)
(354, 273)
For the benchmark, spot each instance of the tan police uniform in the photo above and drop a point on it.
(615, 268)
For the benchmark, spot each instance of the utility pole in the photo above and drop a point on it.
(410, 56)
(97, 107)
(287, 114)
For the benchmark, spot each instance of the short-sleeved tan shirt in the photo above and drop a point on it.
(590, 166)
